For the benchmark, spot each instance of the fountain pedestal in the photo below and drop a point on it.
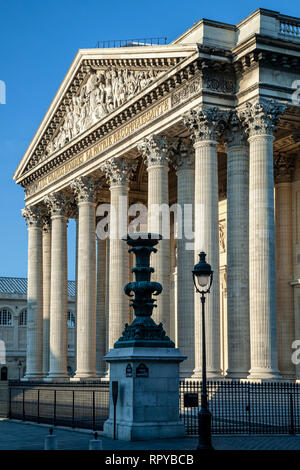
(144, 362)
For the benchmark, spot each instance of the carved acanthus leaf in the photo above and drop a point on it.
(154, 149)
(284, 166)
(57, 203)
(235, 134)
(182, 154)
(207, 123)
(119, 170)
(261, 117)
(84, 189)
(33, 216)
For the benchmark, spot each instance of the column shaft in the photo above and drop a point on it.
(207, 240)
(285, 294)
(185, 263)
(238, 326)
(86, 288)
(100, 308)
(34, 353)
(58, 301)
(262, 281)
(158, 194)
(118, 264)
(46, 296)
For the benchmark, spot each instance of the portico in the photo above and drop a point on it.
(204, 123)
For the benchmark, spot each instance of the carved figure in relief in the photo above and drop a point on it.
(104, 91)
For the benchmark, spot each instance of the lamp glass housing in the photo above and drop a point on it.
(202, 280)
(202, 274)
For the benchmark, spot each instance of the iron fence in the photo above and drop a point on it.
(80, 406)
(243, 407)
(236, 407)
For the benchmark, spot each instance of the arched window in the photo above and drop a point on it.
(71, 320)
(5, 317)
(4, 373)
(23, 318)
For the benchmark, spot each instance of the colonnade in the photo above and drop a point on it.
(253, 350)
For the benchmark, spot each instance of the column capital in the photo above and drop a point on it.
(261, 117)
(154, 150)
(46, 223)
(57, 204)
(33, 216)
(182, 154)
(118, 170)
(235, 134)
(284, 165)
(84, 189)
(206, 124)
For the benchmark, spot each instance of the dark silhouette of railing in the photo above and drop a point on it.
(237, 407)
(243, 407)
(74, 405)
(132, 42)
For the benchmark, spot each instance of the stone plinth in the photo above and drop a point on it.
(147, 407)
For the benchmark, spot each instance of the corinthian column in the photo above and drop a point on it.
(100, 308)
(259, 120)
(205, 125)
(284, 167)
(84, 190)
(46, 291)
(58, 294)
(184, 163)
(154, 150)
(34, 353)
(118, 172)
(238, 327)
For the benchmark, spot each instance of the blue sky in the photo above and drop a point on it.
(38, 41)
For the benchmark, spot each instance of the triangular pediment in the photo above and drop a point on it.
(98, 82)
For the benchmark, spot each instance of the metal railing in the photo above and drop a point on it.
(243, 408)
(60, 404)
(237, 408)
(132, 42)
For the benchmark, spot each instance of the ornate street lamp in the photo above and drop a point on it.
(203, 277)
(19, 367)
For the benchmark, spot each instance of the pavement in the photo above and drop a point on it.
(15, 435)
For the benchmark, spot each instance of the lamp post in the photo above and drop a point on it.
(203, 277)
(19, 367)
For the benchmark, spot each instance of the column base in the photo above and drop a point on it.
(263, 375)
(210, 375)
(185, 375)
(88, 378)
(236, 374)
(32, 378)
(57, 378)
(288, 376)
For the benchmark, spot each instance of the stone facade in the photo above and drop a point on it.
(211, 122)
(13, 327)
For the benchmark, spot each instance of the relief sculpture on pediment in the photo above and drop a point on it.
(102, 93)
